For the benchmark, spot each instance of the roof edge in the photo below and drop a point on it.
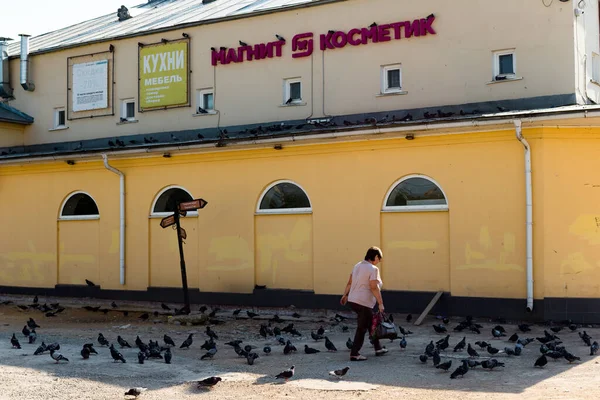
(179, 26)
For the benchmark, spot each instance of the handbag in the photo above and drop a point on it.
(383, 328)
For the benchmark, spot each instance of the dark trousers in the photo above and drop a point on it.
(365, 318)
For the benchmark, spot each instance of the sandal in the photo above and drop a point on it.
(381, 352)
(358, 358)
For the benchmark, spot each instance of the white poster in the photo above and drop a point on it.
(90, 85)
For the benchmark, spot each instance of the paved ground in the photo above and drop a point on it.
(399, 374)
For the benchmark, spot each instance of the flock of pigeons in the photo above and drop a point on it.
(153, 350)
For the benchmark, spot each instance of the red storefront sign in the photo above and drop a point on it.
(303, 43)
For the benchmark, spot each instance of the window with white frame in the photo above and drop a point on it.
(79, 205)
(205, 101)
(596, 67)
(415, 193)
(284, 197)
(292, 91)
(60, 120)
(391, 78)
(127, 110)
(505, 65)
(168, 199)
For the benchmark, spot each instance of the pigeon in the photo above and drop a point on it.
(572, 327)
(15, 342)
(429, 348)
(338, 373)
(524, 328)
(267, 350)
(210, 354)
(114, 305)
(102, 340)
(211, 333)
(423, 358)
(202, 309)
(492, 350)
(593, 348)
(144, 316)
(460, 345)
(316, 337)
(349, 344)
(209, 344)
(472, 363)
(444, 366)
(482, 345)
(41, 349)
(321, 331)
(26, 331)
(440, 328)
(296, 315)
(58, 357)
(403, 343)
(508, 351)
(187, 342)
(443, 344)
(31, 324)
(471, 351)
(251, 315)
(556, 329)
(135, 392)
(570, 357)
(409, 318)
(541, 361)
(237, 312)
(329, 344)
(90, 347)
(90, 283)
(460, 371)
(251, 357)
(310, 350)
(518, 350)
(168, 356)
(497, 334)
(168, 341)
(141, 357)
(491, 364)
(116, 355)
(287, 374)
(436, 358)
(53, 346)
(209, 382)
(289, 347)
(85, 353)
(35, 299)
(165, 307)
(513, 338)
(123, 342)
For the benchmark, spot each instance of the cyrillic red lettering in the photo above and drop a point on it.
(397, 32)
(326, 41)
(218, 57)
(339, 39)
(231, 56)
(369, 33)
(412, 29)
(278, 48)
(383, 33)
(351, 39)
(426, 26)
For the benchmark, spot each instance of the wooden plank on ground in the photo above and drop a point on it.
(428, 308)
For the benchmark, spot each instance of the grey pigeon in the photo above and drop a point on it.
(168, 356)
(471, 351)
(58, 357)
(267, 350)
(338, 373)
(310, 350)
(461, 345)
(541, 361)
(15, 342)
(210, 354)
(123, 342)
(423, 358)
(135, 392)
(41, 349)
(168, 341)
(329, 344)
(187, 342)
(444, 366)
(349, 344)
(209, 382)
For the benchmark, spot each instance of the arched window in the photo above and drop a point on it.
(284, 197)
(79, 205)
(415, 193)
(166, 201)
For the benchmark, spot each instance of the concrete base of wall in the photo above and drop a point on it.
(581, 310)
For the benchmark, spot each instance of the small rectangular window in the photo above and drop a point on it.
(127, 110)
(504, 65)
(205, 101)
(292, 93)
(391, 79)
(60, 118)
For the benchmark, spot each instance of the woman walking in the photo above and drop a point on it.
(362, 292)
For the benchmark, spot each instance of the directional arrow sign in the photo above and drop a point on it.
(192, 205)
(167, 221)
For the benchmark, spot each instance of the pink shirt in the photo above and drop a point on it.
(360, 290)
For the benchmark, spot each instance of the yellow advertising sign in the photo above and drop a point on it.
(163, 75)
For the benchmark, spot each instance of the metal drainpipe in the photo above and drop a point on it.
(121, 215)
(529, 213)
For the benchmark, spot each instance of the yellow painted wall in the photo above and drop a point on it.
(79, 252)
(417, 251)
(571, 234)
(284, 251)
(11, 134)
(230, 249)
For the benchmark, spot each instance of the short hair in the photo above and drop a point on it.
(372, 253)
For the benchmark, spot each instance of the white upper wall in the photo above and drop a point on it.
(454, 66)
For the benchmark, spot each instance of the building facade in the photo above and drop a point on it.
(314, 129)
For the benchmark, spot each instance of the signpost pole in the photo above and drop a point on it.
(186, 296)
